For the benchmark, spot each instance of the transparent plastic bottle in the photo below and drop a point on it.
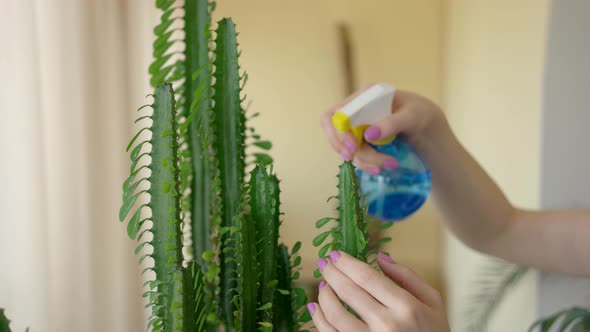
(394, 195)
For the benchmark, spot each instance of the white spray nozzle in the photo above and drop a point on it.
(365, 109)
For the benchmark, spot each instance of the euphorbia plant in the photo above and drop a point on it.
(349, 230)
(194, 176)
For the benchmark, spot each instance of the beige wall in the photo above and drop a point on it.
(290, 50)
(494, 56)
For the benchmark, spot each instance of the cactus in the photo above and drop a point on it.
(4, 322)
(228, 140)
(232, 271)
(350, 229)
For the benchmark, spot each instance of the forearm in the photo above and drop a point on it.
(467, 199)
(556, 241)
(478, 213)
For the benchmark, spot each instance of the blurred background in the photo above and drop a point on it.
(76, 71)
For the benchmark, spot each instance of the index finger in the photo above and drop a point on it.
(376, 284)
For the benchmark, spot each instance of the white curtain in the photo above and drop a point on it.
(72, 74)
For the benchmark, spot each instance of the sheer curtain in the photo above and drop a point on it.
(73, 72)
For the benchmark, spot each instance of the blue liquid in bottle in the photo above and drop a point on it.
(396, 194)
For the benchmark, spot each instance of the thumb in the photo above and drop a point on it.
(400, 121)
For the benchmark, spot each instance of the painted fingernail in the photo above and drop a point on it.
(334, 255)
(350, 146)
(345, 156)
(390, 164)
(372, 133)
(374, 171)
(322, 262)
(322, 285)
(311, 308)
(385, 258)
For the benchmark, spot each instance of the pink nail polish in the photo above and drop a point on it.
(334, 255)
(390, 164)
(322, 285)
(385, 258)
(345, 156)
(372, 133)
(374, 171)
(311, 308)
(322, 262)
(350, 146)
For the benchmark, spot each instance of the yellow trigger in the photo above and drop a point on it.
(358, 133)
(341, 122)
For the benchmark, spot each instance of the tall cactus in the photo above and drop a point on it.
(196, 159)
(229, 146)
(197, 84)
(163, 202)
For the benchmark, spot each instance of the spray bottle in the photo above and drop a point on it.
(393, 195)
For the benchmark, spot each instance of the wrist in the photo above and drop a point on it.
(435, 138)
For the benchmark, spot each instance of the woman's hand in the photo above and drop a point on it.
(398, 300)
(412, 115)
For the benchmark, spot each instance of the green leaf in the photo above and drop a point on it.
(283, 292)
(296, 248)
(127, 205)
(136, 150)
(305, 317)
(318, 240)
(265, 145)
(320, 223)
(300, 298)
(324, 250)
(134, 225)
(263, 159)
(265, 307)
(139, 247)
(574, 320)
(135, 139)
(383, 240)
(208, 256)
(317, 273)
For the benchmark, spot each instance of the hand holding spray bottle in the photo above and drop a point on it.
(393, 195)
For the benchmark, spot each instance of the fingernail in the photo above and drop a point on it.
(374, 171)
(345, 156)
(372, 133)
(350, 146)
(311, 308)
(334, 255)
(385, 258)
(322, 262)
(390, 164)
(322, 285)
